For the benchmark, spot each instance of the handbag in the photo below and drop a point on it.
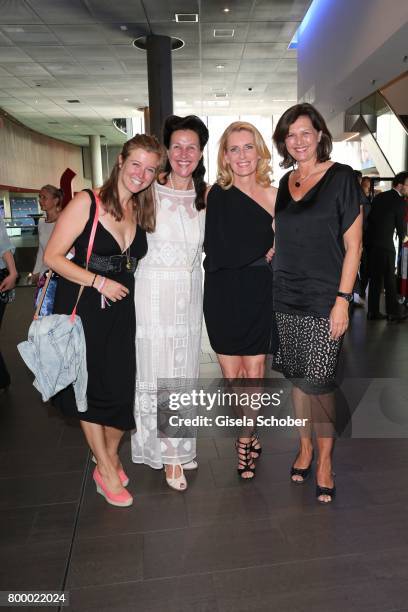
(6, 296)
(47, 307)
(55, 350)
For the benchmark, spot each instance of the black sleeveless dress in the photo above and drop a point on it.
(109, 334)
(238, 280)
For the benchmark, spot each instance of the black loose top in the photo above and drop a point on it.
(309, 249)
(238, 230)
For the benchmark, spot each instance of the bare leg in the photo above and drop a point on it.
(302, 404)
(324, 420)
(113, 437)
(95, 436)
(244, 367)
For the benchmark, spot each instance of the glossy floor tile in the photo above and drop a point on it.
(224, 545)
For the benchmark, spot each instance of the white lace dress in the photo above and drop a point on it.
(168, 298)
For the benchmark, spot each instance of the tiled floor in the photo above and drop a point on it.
(223, 546)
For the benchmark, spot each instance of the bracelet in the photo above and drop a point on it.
(94, 279)
(101, 284)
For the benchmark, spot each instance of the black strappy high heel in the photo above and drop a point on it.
(245, 461)
(256, 445)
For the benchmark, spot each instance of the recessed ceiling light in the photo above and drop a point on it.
(13, 29)
(186, 17)
(226, 10)
(220, 66)
(126, 99)
(224, 33)
(123, 28)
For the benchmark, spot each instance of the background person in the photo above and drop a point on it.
(50, 198)
(238, 279)
(168, 295)
(106, 307)
(386, 218)
(318, 244)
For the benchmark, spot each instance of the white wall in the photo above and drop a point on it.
(344, 45)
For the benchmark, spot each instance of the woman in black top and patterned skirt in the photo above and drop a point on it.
(106, 307)
(238, 278)
(318, 228)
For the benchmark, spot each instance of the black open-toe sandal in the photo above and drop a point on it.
(256, 445)
(304, 473)
(245, 461)
(330, 492)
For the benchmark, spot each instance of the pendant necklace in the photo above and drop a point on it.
(172, 185)
(301, 180)
(128, 262)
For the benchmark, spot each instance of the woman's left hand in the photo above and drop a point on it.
(339, 318)
(8, 283)
(269, 254)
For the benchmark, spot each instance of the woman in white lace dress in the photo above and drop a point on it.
(168, 296)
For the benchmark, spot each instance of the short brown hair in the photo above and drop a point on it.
(325, 146)
(224, 175)
(143, 202)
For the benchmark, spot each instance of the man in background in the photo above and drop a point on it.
(386, 217)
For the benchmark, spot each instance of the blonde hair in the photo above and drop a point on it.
(225, 176)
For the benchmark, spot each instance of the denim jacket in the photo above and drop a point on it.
(56, 353)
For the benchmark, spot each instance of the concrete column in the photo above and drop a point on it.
(96, 160)
(160, 81)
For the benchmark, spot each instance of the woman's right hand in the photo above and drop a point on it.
(9, 282)
(112, 290)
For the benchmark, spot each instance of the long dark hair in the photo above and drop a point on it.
(194, 123)
(324, 148)
(143, 202)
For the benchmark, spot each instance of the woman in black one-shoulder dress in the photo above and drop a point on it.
(106, 306)
(238, 277)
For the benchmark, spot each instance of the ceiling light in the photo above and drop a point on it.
(226, 10)
(214, 103)
(126, 99)
(186, 17)
(123, 28)
(220, 66)
(350, 136)
(12, 29)
(220, 33)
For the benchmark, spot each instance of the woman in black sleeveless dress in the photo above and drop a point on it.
(106, 306)
(238, 278)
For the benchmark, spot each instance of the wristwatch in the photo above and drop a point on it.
(347, 296)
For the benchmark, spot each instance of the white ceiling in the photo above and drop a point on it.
(52, 51)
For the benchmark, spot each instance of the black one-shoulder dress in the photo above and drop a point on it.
(238, 280)
(109, 333)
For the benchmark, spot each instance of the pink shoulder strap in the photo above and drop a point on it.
(89, 250)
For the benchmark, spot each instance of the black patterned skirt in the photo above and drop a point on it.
(307, 355)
